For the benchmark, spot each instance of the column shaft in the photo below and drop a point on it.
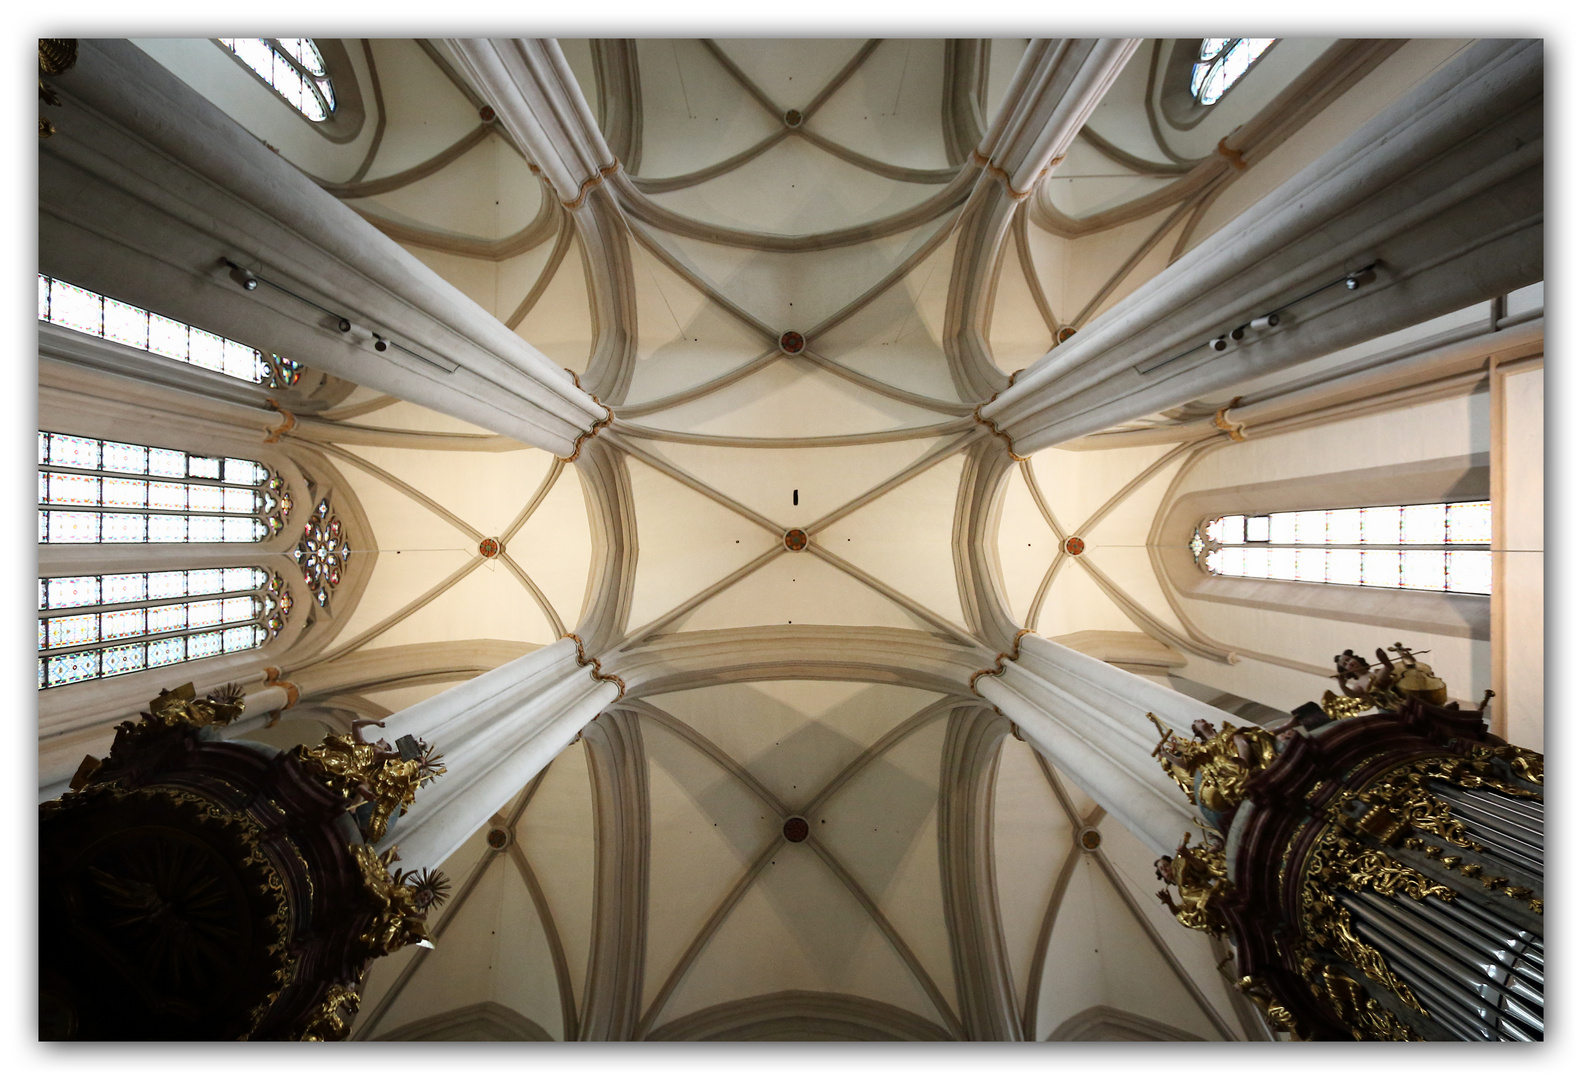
(147, 187)
(495, 732)
(1089, 719)
(1441, 193)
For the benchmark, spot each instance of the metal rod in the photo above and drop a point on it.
(1516, 830)
(1505, 848)
(1408, 920)
(288, 292)
(1491, 939)
(1431, 965)
(1481, 918)
(1504, 804)
(1514, 1031)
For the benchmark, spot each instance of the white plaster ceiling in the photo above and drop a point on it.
(720, 430)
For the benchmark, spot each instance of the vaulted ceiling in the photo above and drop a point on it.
(822, 187)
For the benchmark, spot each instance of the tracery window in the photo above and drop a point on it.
(95, 491)
(1221, 62)
(88, 312)
(94, 626)
(322, 553)
(98, 491)
(293, 68)
(1441, 547)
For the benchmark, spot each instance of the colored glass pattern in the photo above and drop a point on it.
(215, 500)
(1438, 547)
(131, 619)
(322, 553)
(88, 312)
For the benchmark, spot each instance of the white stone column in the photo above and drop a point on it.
(1442, 193)
(146, 188)
(1088, 719)
(495, 733)
(1055, 88)
(537, 100)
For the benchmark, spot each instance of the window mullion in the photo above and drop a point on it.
(140, 639)
(130, 605)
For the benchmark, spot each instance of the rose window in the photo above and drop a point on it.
(322, 552)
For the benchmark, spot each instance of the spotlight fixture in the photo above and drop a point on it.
(1359, 278)
(244, 278)
(345, 325)
(1240, 332)
(380, 344)
(1266, 322)
(1219, 344)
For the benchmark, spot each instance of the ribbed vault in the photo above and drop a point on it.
(793, 273)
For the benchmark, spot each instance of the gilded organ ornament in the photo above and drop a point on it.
(1213, 768)
(196, 887)
(382, 780)
(182, 705)
(1198, 874)
(1376, 862)
(55, 55)
(1382, 685)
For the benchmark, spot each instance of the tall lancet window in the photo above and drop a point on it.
(293, 67)
(96, 491)
(96, 315)
(1437, 547)
(1221, 63)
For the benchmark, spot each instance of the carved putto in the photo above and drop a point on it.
(1213, 768)
(1198, 873)
(384, 779)
(1383, 685)
(182, 705)
(401, 897)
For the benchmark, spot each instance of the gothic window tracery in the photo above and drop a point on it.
(293, 67)
(88, 312)
(98, 491)
(1221, 63)
(1436, 547)
(322, 553)
(93, 626)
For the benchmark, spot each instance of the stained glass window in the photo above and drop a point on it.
(93, 626)
(293, 67)
(1221, 62)
(95, 491)
(322, 552)
(1438, 547)
(88, 312)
